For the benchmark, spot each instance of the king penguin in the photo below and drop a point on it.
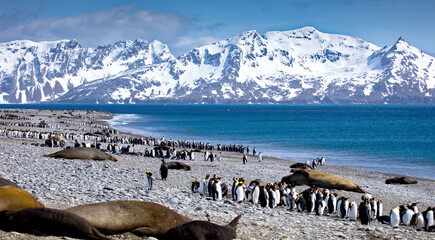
(353, 212)
(429, 217)
(320, 207)
(203, 186)
(364, 212)
(344, 208)
(373, 208)
(300, 203)
(406, 215)
(255, 194)
(240, 193)
(163, 170)
(264, 197)
(311, 201)
(195, 185)
(234, 187)
(217, 190)
(339, 202)
(418, 221)
(332, 203)
(395, 217)
(149, 180)
(380, 209)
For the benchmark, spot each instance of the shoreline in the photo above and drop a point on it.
(93, 180)
(302, 157)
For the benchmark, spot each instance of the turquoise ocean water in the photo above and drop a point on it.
(396, 139)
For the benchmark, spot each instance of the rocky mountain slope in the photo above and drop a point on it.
(297, 66)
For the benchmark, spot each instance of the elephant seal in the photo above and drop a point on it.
(400, 180)
(202, 230)
(138, 217)
(6, 182)
(300, 165)
(47, 221)
(178, 165)
(12, 198)
(83, 153)
(321, 179)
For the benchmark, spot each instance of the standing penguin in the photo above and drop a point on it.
(380, 209)
(272, 197)
(428, 217)
(395, 217)
(364, 212)
(300, 203)
(163, 170)
(240, 193)
(320, 207)
(311, 201)
(406, 215)
(339, 202)
(255, 194)
(217, 190)
(203, 186)
(373, 208)
(264, 197)
(149, 180)
(195, 185)
(210, 185)
(234, 187)
(332, 203)
(353, 212)
(418, 221)
(344, 208)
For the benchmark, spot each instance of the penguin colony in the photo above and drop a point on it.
(322, 202)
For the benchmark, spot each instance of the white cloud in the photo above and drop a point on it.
(103, 27)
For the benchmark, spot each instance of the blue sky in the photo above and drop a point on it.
(183, 25)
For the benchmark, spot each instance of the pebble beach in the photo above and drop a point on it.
(63, 183)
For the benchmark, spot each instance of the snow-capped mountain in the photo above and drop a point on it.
(298, 66)
(38, 72)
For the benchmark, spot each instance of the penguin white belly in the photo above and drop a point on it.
(380, 208)
(394, 218)
(407, 216)
(240, 194)
(202, 188)
(255, 195)
(429, 217)
(353, 211)
(219, 192)
(420, 222)
(322, 206)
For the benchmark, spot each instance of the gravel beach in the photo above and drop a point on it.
(62, 183)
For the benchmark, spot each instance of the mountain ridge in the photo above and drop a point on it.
(301, 66)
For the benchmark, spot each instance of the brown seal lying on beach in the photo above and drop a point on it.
(46, 221)
(178, 165)
(12, 198)
(300, 165)
(6, 182)
(321, 179)
(83, 153)
(138, 217)
(400, 180)
(202, 230)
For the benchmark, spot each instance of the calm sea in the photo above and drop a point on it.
(396, 139)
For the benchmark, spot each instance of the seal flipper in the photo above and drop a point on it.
(235, 221)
